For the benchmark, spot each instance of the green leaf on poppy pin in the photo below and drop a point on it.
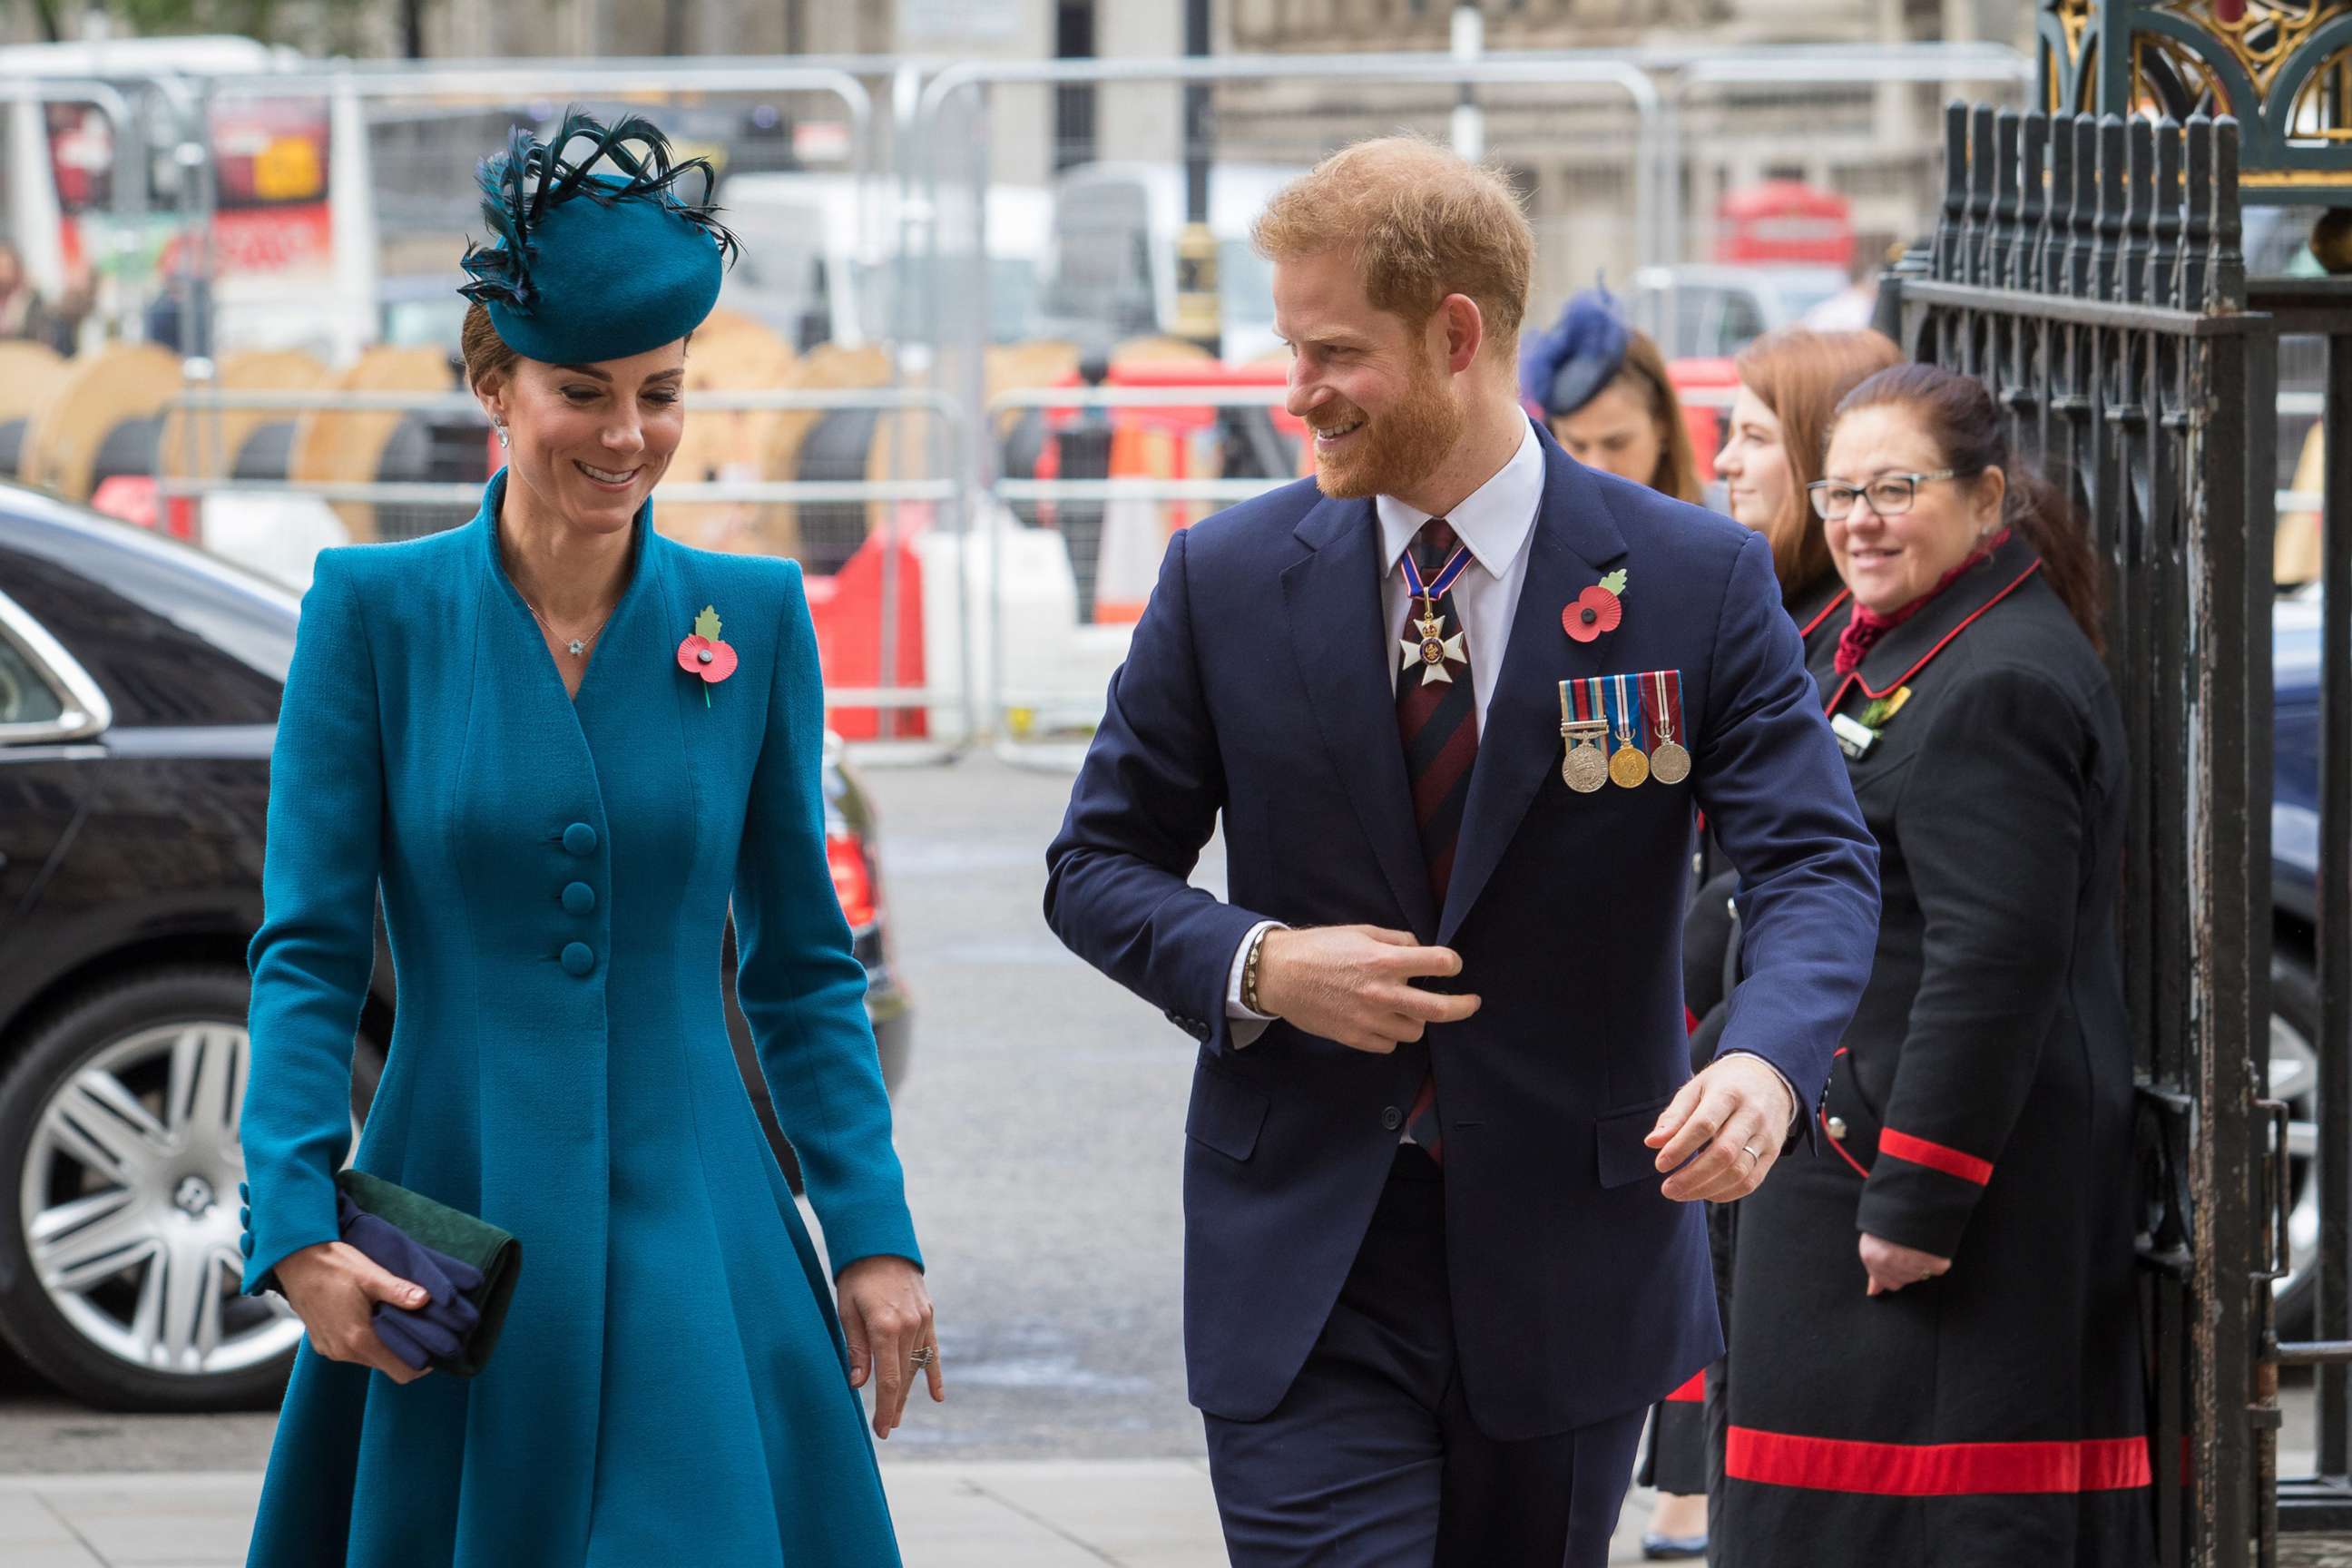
(1615, 581)
(706, 624)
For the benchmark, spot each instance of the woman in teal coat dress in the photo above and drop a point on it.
(511, 729)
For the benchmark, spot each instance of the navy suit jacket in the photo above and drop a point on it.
(1258, 686)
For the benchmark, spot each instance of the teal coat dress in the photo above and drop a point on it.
(671, 1384)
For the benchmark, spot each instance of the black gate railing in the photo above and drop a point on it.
(2088, 270)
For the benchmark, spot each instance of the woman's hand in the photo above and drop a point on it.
(1891, 1266)
(333, 1288)
(886, 1315)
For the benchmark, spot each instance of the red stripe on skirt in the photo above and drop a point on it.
(1934, 1470)
(1935, 1156)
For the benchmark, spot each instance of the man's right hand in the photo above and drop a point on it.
(333, 1288)
(1353, 984)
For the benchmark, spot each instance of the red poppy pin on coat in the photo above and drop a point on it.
(704, 655)
(1596, 610)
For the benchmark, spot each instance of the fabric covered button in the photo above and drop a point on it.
(1391, 1119)
(244, 1193)
(580, 838)
(578, 899)
(245, 1244)
(577, 959)
(245, 1218)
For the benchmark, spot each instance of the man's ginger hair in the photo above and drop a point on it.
(1423, 222)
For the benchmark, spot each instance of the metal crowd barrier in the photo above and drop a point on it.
(1062, 751)
(946, 493)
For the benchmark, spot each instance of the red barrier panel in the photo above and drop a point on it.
(848, 609)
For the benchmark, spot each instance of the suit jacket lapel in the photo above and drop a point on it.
(1333, 598)
(1573, 541)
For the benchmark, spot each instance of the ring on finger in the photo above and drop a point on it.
(1750, 1149)
(926, 1355)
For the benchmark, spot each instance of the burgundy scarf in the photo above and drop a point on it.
(1864, 626)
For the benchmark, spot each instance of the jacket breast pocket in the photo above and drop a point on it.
(1619, 1154)
(1225, 1114)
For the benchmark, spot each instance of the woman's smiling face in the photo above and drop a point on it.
(591, 441)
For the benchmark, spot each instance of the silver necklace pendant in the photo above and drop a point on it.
(577, 647)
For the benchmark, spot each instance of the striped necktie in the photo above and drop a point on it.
(1437, 719)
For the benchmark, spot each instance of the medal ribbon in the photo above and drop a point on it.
(1666, 714)
(1436, 588)
(1626, 722)
(1586, 696)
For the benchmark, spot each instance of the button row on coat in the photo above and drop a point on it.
(245, 1216)
(578, 899)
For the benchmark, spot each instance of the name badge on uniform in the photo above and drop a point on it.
(1854, 738)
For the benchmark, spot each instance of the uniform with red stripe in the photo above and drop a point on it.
(1980, 1110)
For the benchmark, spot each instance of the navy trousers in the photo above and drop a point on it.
(1372, 1460)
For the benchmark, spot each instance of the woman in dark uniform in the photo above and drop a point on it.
(1937, 1345)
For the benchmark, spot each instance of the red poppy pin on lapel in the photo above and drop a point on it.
(1597, 609)
(704, 655)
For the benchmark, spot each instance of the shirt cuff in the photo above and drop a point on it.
(1246, 1025)
(1797, 1104)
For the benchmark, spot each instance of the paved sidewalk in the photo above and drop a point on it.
(1153, 1513)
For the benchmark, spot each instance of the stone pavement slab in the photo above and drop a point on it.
(1126, 1513)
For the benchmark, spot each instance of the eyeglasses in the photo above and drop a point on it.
(1890, 495)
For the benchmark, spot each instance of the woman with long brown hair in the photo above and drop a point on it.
(1789, 381)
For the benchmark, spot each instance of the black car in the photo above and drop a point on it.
(139, 689)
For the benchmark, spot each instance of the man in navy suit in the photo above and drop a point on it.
(1459, 700)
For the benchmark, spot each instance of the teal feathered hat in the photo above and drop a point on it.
(598, 256)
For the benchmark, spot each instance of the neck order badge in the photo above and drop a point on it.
(1433, 649)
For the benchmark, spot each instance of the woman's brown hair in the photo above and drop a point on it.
(1799, 375)
(478, 343)
(1645, 376)
(1957, 414)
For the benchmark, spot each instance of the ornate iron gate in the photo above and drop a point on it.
(2088, 270)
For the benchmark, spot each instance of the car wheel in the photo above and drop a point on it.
(2295, 1077)
(120, 1271)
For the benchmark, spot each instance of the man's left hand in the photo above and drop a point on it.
(1734, 1116)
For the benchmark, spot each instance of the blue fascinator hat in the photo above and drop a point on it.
(1565, 368)
(596, 257)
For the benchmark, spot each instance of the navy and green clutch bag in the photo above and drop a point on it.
(434, 1246)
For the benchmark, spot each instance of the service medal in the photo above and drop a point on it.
(1629, 765)
(1670, 762)
(1584, 767)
